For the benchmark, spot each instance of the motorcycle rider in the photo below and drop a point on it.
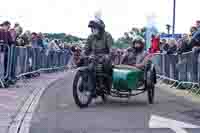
(99, 45)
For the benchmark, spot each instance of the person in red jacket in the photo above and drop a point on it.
(155, 42)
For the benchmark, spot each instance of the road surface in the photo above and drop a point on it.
(57, 112)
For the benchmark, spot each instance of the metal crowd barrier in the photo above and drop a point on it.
(5, 62)
(17, 62)
(180, 69)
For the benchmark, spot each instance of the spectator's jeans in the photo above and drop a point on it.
(5, 64)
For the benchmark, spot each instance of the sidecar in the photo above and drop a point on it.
(130, 81)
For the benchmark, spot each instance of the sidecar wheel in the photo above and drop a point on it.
(81, 80)
(104, 98)
(150, 87)
(151, 93)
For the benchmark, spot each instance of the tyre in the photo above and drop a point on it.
(82, 84)
(151, 94)
(150, 87)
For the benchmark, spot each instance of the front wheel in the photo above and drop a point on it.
(82, 87)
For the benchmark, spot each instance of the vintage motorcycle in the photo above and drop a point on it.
(120, 81)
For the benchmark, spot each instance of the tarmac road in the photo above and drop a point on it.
(57, 113)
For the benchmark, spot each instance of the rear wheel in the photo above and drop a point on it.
(82, 87)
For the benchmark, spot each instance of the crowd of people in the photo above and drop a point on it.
(184, 44)
(16, 36)
(179, 45)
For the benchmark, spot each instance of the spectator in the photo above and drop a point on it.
(73, 49)
(171, 47)
(198, 24)
(163, 42)
(27, 38)
(40, 40)
(62, 46)
(196, 31)
(5, 37)
(34, 40)
(76, 54)
(193, 30)
(24, 39)
(19, 41)
(56, 42)
(13, 34)
(155, 42)
(183, 44)
(53, 46)
(195, 40)
(45, 43)
(18, 29)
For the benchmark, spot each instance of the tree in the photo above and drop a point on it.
(128, 37)
(64, 37)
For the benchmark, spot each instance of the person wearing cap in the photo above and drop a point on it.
(135, 55)
(99, 44)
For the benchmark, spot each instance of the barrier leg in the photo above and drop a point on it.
(192, 89)
(173, 84)
(198, 91)
(178, 85)
(2, 84)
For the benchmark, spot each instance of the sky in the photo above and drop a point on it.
(72, 16)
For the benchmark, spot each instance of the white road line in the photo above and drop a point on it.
(176, 126)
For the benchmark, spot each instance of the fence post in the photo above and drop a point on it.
(166, 65)
(12, 63)
(195, 65)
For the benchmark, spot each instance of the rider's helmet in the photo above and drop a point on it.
(97, 24)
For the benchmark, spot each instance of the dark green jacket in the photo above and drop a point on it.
(96, 46)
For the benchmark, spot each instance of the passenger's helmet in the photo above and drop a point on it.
(138, 40)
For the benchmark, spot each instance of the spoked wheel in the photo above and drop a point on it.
(82, 87)
(150, 88)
